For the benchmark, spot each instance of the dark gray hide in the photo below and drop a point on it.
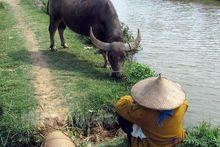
(79, 16)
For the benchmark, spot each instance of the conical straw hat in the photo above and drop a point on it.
(57, 139)
(158, 93)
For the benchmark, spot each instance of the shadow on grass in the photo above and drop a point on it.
(1, 110)
(89, 79)
(65, 61)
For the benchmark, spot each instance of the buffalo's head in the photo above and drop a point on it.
(116, 52)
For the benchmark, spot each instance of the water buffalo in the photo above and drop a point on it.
(92, 16)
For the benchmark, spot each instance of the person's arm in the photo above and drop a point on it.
(126, 108)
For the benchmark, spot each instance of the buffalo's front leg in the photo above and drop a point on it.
(61, 28)
(52, 30)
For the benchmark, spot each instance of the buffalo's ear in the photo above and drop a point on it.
(98, 43)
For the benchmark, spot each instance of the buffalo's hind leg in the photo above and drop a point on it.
(61, 29)
(52, 30)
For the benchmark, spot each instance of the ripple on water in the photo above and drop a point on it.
(180, 40)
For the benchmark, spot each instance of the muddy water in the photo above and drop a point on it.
(181, 41)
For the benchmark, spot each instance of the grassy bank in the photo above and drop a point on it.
(203, 135)
(16, 90)
(90, 91)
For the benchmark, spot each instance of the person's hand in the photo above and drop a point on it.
(134, 102)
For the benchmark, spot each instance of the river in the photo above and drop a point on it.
(181, 41)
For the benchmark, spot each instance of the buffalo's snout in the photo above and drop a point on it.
(117, 75)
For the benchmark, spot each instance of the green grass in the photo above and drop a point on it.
(90, 91)
(203, 135)
(205, 2)
(116, 142)
(16, 90)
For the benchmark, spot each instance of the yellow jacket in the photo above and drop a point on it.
(169, 134)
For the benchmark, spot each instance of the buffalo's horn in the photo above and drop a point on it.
(99, 44)
(134, 45)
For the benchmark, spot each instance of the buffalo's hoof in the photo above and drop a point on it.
(65, 45)
(53, 49)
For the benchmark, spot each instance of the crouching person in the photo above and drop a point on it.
(153, 115)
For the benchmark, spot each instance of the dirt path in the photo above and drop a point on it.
(52, 109)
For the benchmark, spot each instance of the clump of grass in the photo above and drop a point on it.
(134, 72)
(44, 8)
(203, 135)
(127, 34)
(4, 5)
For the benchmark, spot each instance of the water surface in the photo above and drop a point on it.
(181, 41)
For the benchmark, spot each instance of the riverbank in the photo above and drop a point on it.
(88, 89)
(206, 2)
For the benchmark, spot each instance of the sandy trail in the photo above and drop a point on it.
(52, 109)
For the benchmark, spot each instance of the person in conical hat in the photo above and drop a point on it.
(153, 115)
